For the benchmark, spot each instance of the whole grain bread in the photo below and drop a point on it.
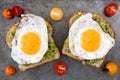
(26, 67)
(8, 34)
(99, 63)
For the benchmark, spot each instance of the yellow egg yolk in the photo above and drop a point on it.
(90, 40)
(30, 43)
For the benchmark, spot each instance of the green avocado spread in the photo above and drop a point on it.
(103, 25)
(11, 33)
(52, 49)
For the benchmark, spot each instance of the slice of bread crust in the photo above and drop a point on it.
(8, 34)
(99, 63)
(24, 67)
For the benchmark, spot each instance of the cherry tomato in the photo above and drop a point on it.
(10, 70)
(112, 68)
(60, 68)
(111, 9)
(7, 13)
(56, 14)
(17, 10)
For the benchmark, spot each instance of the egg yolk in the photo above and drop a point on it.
(90, 40)
(30, 43)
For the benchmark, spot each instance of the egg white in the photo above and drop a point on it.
(29, 23)
(83, 23)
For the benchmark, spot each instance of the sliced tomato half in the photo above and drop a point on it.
(111, 9)
(60, 68)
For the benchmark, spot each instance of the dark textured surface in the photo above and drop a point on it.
(75, 70)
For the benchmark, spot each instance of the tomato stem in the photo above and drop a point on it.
(105, 69)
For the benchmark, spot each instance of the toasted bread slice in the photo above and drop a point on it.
(9, 35)
(48, 57)
(96, 63)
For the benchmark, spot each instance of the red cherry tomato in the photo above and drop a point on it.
(10, 70)
(60, 68)
(17, 11)
(111, 9)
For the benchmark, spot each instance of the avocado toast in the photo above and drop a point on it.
(51, 54)
(106, 27)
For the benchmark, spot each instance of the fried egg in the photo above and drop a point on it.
(87, 40)
(30, 42)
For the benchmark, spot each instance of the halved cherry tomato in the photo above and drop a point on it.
(60, 68)
(10, 71)
(7, 13)
(111, 9)
(112, 68)
(56, 13)
(17, 10)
